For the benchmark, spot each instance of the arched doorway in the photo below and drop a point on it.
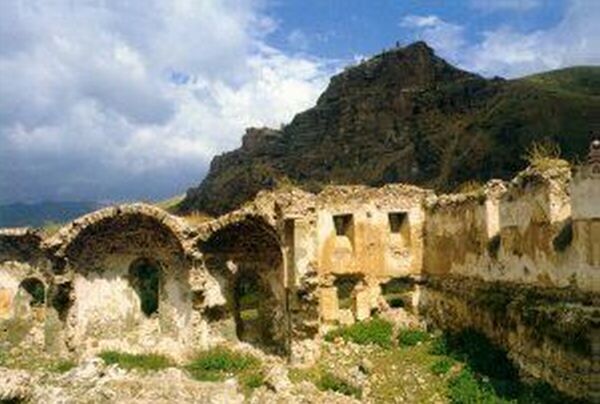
(247, 258)
(144, 277)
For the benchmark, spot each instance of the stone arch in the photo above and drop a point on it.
(250, 248)
(101, 252)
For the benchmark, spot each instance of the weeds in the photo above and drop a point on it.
(442, 366)
(375, 331)
(542, 155)
(218, 363)
(411, 337)
(145, 362)
(329, 381)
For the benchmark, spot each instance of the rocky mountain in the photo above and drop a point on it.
(407, 115)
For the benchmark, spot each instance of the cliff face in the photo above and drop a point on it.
(403, 116)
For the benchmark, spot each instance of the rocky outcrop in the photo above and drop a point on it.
(402, 116)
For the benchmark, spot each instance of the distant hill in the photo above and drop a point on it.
(407, 115)
(43, 213)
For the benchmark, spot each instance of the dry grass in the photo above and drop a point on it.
(543, 155)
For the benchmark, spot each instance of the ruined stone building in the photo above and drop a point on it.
(518, 260)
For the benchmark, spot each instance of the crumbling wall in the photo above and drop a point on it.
(24, 277)
(239, 249)
(521, 231)
(547, 332)
(371, 235)
(518, 261)
(102, 303)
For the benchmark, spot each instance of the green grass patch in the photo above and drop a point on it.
(441, 366)
(61, 366)
(145, 362)
(376, 331)
(219, 363)
(329, 381)
(466, 388)
(411, 337)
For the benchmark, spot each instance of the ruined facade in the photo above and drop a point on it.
(518, 260)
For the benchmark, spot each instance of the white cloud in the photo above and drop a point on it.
(436, 32)
(131, 99)
(510, 53)
(495, 5)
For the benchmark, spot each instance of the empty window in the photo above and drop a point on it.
(345, 285)
(398, 221)
(144, 277)
(343, 224)
(36, 291)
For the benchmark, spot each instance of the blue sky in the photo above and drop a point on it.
(343, 28)
(130, 100)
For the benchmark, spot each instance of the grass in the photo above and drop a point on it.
(219, 363)
(61, 366)
(329, 381)
(376, 331)
(411, 337)
(144, 362)
(442, 366)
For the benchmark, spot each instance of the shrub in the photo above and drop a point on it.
(410, 337)
(375, 331)
(134, 361)
(439, 346)
(465, 388)
(253, 380)
(219, 362)
(442, 366)
(329, 381)
(543, 154)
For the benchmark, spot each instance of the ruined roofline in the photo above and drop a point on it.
(60, 241)
(20, 232)
(271, 206)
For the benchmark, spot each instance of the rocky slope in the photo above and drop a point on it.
(406, 115)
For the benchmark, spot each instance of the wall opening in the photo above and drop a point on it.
(144, 276)
(62, 299)
(345, 285)
(399, 225)
(343, 225)
(248, 257)
(247, 296)
(35, 290)
(397, 292)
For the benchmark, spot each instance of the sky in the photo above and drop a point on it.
(126, 100)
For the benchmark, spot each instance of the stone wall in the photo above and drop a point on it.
(518, 260)
(522, 231)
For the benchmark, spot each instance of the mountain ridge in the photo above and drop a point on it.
(407, 115)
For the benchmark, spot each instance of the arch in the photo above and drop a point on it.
(72, 237)
(248, 253)
(35, 289)
(130, 268)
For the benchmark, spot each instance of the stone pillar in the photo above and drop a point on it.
(362, 302)
(329, 303)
